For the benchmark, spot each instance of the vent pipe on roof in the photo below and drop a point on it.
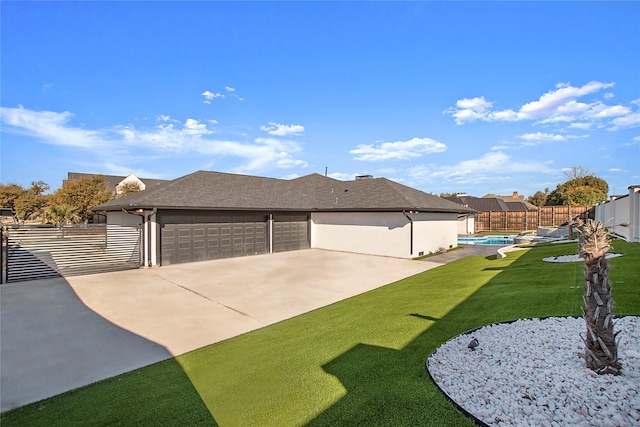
(326, 170)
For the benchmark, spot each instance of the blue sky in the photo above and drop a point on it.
(476, 97)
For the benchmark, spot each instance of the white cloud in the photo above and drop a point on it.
(168, 137)
(560, 105)
(630, 121)
(491, 166)
(193, 127)
(531, 139)
(634, 141)
(277, 129)
(50, 127)
(470, 109)
(399, 150)
(209, 96)
(552, 101)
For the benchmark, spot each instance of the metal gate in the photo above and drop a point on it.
(38, 252)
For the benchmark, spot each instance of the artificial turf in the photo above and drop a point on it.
(356, 362)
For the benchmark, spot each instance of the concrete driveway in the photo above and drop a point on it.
(60, 334)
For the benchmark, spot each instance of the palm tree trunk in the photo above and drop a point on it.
(601, 349)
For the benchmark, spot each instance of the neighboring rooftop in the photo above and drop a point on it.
(216, 190)
(494, 204)
(114, 180)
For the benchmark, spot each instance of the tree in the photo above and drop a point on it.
(9, 193)
(539, 198)
(26, 204)
(82, 194)
(60, 215)
(601, 349)
(581, 188)
(128, 188)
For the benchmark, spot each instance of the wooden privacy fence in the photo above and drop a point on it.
(545, 216)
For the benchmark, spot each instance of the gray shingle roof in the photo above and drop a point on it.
(491, 204)
(225, 191)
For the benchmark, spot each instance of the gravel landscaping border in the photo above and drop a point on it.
(530, 372)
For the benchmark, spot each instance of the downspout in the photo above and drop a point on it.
(270, 233)
(411, 231)
(153, 212)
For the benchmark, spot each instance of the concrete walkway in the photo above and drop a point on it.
(61, 334)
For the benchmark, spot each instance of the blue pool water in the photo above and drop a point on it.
(486, 240)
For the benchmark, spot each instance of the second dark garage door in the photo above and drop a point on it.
(290, 232)
(199, 236)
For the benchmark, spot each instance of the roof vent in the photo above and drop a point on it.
(361, 177)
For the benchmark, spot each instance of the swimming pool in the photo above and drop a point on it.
(486, 240)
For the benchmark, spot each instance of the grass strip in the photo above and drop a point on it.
(356, 362)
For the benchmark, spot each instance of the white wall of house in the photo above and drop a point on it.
(622, 215)
(383, 233)
(466, 224)
(433, 231)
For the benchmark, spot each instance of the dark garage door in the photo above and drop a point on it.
(189, 237)
(290, 232)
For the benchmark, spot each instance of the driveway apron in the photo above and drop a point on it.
(63, 333)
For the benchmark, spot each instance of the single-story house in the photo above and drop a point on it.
(210, 215)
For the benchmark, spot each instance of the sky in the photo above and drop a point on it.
(474, 97)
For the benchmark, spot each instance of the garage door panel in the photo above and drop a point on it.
(195, 236)
(193, 241)
(290, 236)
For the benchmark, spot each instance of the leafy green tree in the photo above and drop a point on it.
(9, 193)
(128, 188)
(539, 198)
(581, 188)
(60, 215)
(26, 204)
(82, 194)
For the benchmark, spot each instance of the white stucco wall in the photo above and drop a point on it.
(382, 233)
(622, 215)
(432, 231)
(466, 224)
(121, 218)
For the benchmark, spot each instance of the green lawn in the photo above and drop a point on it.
(356, 362)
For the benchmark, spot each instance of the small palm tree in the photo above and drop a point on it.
(61, 214)
(601, 349)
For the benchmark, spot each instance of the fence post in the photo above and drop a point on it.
(1, 254)
(4, 254)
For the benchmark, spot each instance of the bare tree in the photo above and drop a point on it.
(601, 348)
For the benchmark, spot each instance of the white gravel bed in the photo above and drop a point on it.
(574, 258)
(530, 373)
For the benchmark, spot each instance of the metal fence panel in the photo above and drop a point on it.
(39, 252)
